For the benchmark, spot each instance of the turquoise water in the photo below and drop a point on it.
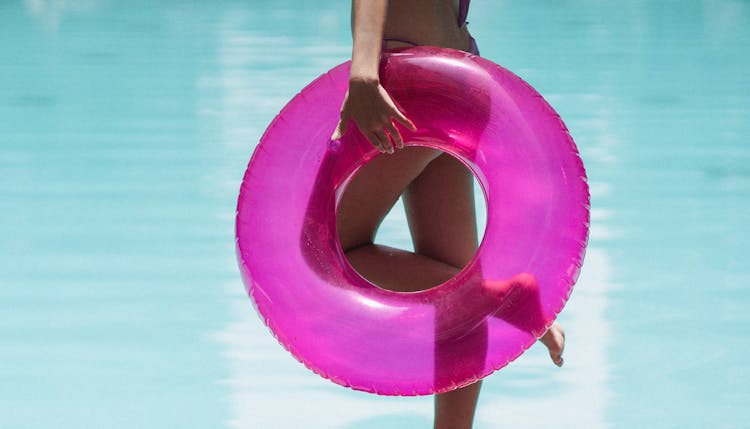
(125, 128)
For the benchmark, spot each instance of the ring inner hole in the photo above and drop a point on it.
(440, 212)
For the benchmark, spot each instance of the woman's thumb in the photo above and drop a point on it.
(340, 129)
(337, 132)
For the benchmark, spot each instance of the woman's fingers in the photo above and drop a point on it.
(378, 137)
(386, 138)
(374, 140)
(395, 135)
(383, 140)
(403, 119)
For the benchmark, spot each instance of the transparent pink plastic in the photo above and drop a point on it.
(360, 336)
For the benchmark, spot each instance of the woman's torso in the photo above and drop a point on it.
(426, 22)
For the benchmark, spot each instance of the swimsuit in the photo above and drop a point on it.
(463, 11)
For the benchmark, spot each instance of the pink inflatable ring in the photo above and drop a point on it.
(360, 336)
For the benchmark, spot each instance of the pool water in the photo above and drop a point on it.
(125, 128)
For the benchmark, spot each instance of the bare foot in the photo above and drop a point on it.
(554, 339)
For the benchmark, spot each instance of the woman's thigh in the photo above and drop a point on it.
(440, 210)
(374, 190)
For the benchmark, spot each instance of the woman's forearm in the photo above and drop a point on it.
(368, 21)
(366, 102)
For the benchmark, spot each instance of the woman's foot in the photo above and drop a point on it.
(554, 339)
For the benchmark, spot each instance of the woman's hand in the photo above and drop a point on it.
(368, 104)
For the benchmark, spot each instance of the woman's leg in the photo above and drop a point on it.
(373, 192)
(440, 208)
(396, 269)
(439, 205)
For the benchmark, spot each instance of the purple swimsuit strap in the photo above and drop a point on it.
(463, 12)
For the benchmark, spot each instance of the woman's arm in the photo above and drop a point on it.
(366, 102)
(368, 21)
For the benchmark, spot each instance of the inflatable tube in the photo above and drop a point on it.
(360, 336)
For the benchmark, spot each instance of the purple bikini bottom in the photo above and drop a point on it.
(472, 44)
